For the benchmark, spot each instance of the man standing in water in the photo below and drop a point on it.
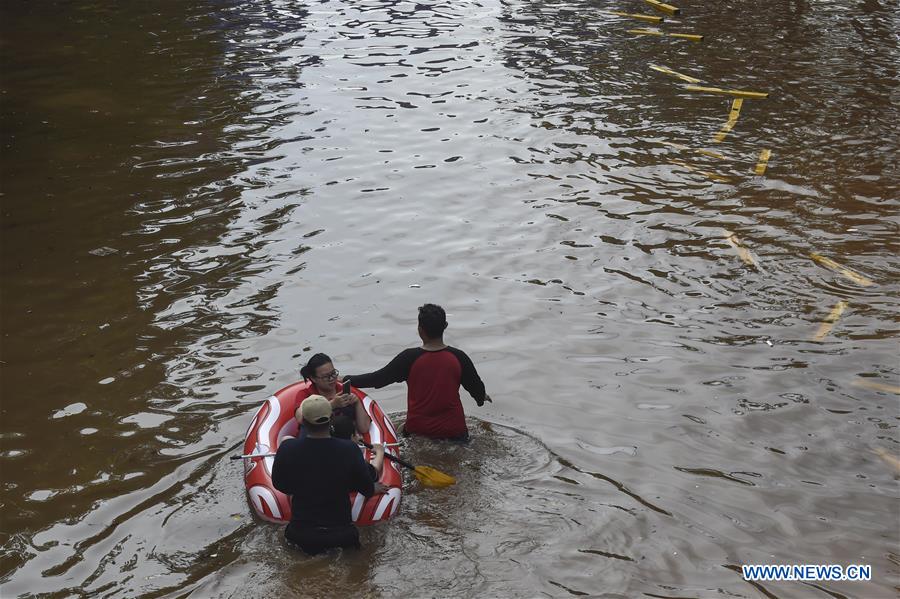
(320, 472)
(433, 374)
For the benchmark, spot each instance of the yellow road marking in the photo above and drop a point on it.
(669, 71)
(690, 167)
(666, 8)
(648, 18)
(741, 249)
(888, 458)
(646, 32)
(697, 150)
(830, 320)
(844, 271)
(764, 156)
(675, 145)
(733, 92)
(723, 132)
(687, 36)
(877, 386)
(710, 153)
(732, 120)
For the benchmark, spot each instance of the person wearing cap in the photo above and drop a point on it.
(433, 375)
(320, 472)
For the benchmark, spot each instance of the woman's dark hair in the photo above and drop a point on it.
(433, 320)
(309, 371)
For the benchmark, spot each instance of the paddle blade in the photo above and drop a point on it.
(433, 478)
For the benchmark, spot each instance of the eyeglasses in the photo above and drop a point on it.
(330, 376)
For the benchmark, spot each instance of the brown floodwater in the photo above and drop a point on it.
(197, 195)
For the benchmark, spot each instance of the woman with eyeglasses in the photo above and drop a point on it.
(321, 372)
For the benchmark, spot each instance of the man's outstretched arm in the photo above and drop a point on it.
(396, 371)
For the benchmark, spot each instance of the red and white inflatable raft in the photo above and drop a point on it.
(275, 419)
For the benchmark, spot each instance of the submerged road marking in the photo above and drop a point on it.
(764, 156)
(703, 151)
(842, 270)
(830, 320)
(674, 73)
(877, 386)
(687, 36)
(692, 168)
(888, 458)
(648, 18)
(741, 249)
(733, 92)
(666, 8)
(733, 115)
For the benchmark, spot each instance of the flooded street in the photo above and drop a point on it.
(691, 343)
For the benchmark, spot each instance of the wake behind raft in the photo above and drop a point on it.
(274, 419)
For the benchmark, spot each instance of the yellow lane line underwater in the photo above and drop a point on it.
(888, 458)
(741, 249)
(687, 36)
(830, 320)
(631, 15)
(697, 150)
(710, 153)
(732, 120)
(877, 386)
(844, 271)
(674, 73)
(733, 92)
(764, 156)
(692, 168)
(666, 8)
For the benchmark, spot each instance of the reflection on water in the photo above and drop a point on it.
(195, 199)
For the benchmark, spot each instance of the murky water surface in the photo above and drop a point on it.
(197, 195)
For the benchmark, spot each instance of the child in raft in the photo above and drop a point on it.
(343, 427)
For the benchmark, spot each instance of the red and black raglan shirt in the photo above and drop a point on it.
(432, 379)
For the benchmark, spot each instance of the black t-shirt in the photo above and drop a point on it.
(320, 474)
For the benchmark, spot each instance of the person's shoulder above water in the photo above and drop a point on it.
(344, 443)
(335, 444)
(288, 444)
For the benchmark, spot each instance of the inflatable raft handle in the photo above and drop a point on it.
(272, 455)
(252, 455)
